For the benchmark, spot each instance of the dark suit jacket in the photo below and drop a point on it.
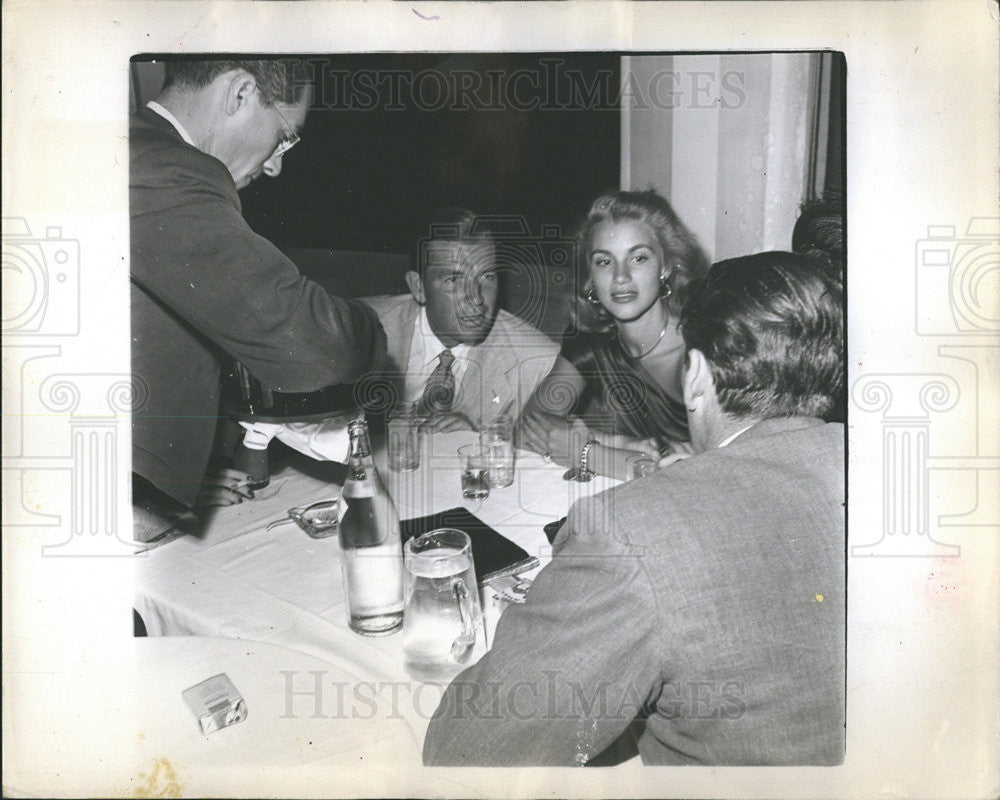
(502, 372)
(204, 283)
(707, 600)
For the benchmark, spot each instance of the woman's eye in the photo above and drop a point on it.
(640, 258)
(489, 277)
(601, 261)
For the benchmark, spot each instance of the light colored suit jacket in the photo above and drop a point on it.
(706, 601)
(502, 372)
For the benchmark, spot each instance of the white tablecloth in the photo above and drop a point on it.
(241, 581)
(124, 712)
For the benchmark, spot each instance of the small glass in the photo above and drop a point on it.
(498, 439)
(404, 438)
(442, 620)
(641, 466)
(474, 462)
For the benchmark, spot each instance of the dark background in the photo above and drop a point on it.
(360, 179)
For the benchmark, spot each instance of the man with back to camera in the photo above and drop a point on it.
(204, 284)
(703, 607)
(451, 349)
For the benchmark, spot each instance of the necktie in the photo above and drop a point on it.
(439, 392)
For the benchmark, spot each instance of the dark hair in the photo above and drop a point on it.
(279, 80)
(771, 327)
(819, 231)
(679, 248)
(448, 224)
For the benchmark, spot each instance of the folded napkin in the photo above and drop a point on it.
(324, 441)
(493, 553)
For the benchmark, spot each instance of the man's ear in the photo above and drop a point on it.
(416, 284)
(239, 91)
(697, 380)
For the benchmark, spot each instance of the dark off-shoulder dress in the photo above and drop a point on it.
(620, 395)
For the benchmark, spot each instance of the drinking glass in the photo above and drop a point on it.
(474, 462)
(641, 465)
(498, 439)
(442, 620)
(404, 438)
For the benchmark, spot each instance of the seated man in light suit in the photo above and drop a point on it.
(702, 607)
(450, 348)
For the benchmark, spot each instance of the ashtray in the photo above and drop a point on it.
(319, 520)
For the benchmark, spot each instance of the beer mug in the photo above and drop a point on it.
(442, 620)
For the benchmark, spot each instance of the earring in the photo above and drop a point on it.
(665, 288)
(591, 297)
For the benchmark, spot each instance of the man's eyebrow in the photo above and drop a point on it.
(447, 270)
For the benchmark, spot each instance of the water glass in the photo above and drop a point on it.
(474, 462)
(403, 436)
(498, 439)
(442, 620)
(641, 466)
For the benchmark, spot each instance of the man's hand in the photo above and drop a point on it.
(445, 423)
(227, 487)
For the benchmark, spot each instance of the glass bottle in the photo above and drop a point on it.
(371, 553)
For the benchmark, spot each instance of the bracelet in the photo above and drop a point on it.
(584, 471)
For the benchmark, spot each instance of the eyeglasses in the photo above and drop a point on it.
(288, 140)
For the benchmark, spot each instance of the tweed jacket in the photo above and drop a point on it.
(502, 373)
(203, 283)
(703, 606)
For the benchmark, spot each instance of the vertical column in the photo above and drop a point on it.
(99, 508)
(904, 447)
(906, 401)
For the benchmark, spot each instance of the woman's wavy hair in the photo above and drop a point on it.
(771, 327)
(280, 80)
(679, 248)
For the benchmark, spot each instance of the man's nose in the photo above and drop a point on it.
(474, 294)
(272, 167)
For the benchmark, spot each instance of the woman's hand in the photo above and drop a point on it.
(552, 437)
(672, 458)
(621, 442)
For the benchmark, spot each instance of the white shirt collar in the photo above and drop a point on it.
(152, 105)
(432, 346)
(425, 349)
(729, 439)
